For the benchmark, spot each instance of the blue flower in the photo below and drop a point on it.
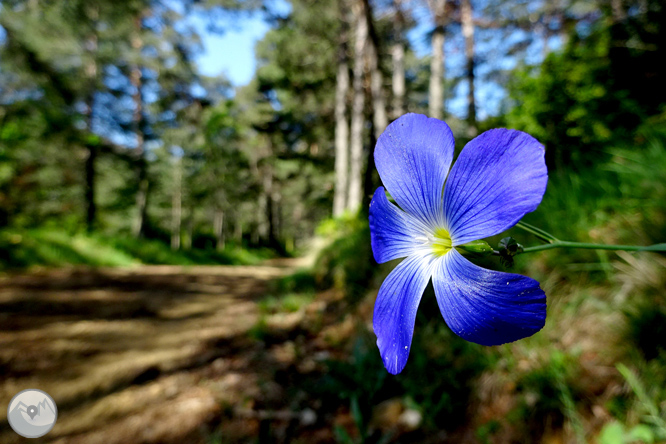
(499, 177)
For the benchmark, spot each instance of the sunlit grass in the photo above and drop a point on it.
(52, 247)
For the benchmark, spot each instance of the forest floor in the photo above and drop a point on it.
(147, 354)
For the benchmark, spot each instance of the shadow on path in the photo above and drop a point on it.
(137, 355)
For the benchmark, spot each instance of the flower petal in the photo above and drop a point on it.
(395, 309)
(393, 233)
(499, 177)
(487, 307)
(413, 156)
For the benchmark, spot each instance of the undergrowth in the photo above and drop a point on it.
(51, 247)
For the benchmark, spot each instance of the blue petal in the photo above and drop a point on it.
(393, 233)
(395, 310)
(413, 157)
(499, 177)
(487, 307)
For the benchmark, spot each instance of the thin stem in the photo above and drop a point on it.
(586, 246)
(538, 232)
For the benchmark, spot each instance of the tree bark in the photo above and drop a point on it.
(379, 117)
(358, 105)
(436, 90)
(269, 206)
(341, 126)
(91, 74)
(398, 58)
(91, 206)
(218, 228)
(467, 21)
(189, 229)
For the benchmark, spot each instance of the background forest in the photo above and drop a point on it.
(116, 151)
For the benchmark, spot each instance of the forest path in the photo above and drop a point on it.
(131, 355)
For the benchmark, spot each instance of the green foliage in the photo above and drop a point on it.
(54, 248)
(618, 201)
(616, 433)
(347, 262)
(649, 402)
(486, 431)
(25, 248)
(595, 91)
(302, 281)
(285, 303)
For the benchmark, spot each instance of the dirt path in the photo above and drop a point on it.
(140, 355)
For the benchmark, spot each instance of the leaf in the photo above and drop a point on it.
(612, 433)
(641, 433)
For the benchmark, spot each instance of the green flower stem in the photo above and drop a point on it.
(538, 232)
(554, 242)
(586, 246)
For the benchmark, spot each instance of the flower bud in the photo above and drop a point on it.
(477, 247)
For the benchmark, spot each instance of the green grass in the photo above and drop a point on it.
(52, 248)
(288, 303)
(346, 263)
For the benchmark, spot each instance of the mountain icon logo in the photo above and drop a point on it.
(32, 413)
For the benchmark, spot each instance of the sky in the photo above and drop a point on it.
(231, 54)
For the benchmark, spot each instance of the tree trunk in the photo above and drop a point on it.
(467, 20)
(436, 90)
(358, 105)
(91, 74)
(218, 227)
(189, 229)
(379, 117)
(91, 207)
(398, 58)
(269, 207)
(176, 205)
(136, 78)
(341, 126)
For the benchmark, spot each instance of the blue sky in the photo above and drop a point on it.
(232, 53)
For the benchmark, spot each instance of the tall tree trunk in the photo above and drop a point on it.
(269, 207)
(467, 20)
(341, 126)
(218, 228)
(176, 205)
(91, 207)
(91, 74)
(189, 230)
(379, 117)
(436, 90)
(398, 58)
(358, 105)
(136, 78)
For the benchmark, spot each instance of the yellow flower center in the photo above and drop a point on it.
(441, 243)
